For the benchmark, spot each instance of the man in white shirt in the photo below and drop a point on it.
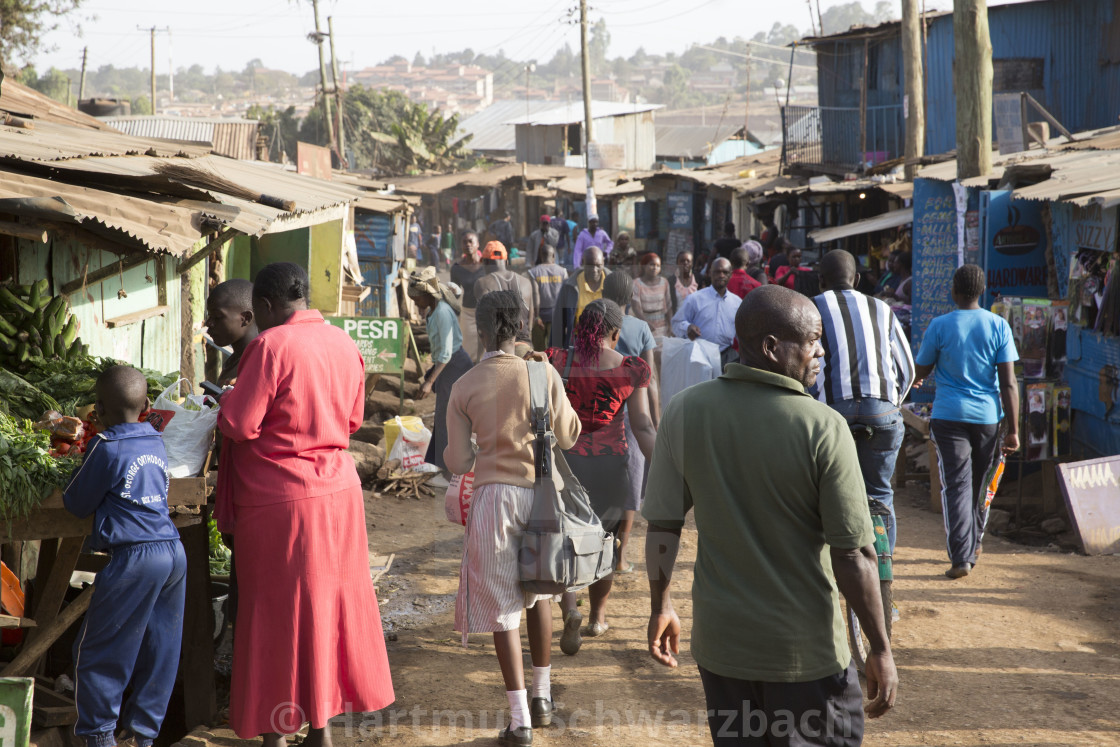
(709, 314)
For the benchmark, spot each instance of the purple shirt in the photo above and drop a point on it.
(601, 239)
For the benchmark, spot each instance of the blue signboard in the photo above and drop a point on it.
(1014, 246)
(934, 254)
(680, 210)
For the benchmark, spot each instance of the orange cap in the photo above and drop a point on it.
(494, 250)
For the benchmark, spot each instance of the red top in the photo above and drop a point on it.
(598, 397)
(300, 393)
(787, 275)
(741, 283)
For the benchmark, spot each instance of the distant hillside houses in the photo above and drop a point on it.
(455, 89)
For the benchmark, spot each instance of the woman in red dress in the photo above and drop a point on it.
(600, 381)
(308, 643)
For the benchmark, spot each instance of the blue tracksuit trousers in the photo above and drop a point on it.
(132, 632)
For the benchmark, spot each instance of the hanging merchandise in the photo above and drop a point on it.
(1059, 326)
(1061, 445)
(1038, 421)
(1033, 346)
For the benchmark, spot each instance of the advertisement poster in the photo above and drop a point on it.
(381, 341)
(1014, 246)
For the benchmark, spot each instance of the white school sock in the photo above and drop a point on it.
(542, 685)
(518, 708)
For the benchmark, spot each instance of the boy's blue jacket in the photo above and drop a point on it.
(123, 483)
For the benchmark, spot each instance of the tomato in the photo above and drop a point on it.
(62, 447)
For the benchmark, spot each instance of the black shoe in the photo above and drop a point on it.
(540, 711)
(959, 571)
(522, 736)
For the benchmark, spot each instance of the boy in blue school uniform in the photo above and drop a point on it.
(134, 627)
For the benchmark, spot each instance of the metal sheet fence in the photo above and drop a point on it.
(830, 137)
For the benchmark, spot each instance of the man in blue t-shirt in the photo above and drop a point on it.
(972, 355)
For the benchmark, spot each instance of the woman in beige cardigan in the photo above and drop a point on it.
(491, 402)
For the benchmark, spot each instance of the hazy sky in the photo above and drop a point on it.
(229, 33)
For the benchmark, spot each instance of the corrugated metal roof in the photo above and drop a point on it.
(19, 99)
(892, 219)
(572, 113)
(490, 128)
(688, 141)
(158, 227)
(50, 141)
(235, 138)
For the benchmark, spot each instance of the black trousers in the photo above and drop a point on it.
(965, 453)
(826, 712)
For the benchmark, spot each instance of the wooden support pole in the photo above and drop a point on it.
(915, 95)
(972, 80)
(215, 244)
(27, 658)
(22, 231)
(862, 106)
(53, 592)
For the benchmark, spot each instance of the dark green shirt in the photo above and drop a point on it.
(774, 479)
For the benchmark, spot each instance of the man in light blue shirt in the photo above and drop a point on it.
(710, 314)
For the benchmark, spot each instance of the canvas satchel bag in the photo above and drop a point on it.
(563, 547)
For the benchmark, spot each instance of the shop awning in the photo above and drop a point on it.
(893, 219)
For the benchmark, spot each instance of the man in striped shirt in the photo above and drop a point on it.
(866, 372)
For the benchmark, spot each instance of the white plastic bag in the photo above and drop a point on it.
(187, 429)
(457, 500)
(686, 362)
(410, 448)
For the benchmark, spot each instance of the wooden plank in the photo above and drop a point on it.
(29, 656)
(135, 316)
(183, 491)
(108, 271)
(197, 664)
(53, 592)
(23, 231)
(51, 709)
(9, 621)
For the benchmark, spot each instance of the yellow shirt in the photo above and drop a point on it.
(586, 295)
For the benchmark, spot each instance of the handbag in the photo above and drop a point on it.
(563, 547)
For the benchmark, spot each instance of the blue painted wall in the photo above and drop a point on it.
(1078, 41)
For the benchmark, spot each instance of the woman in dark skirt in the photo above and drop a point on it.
(449, 359)
(599, 383)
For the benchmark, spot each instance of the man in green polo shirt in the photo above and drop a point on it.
(782, 521)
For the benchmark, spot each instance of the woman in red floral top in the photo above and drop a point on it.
(599, 383)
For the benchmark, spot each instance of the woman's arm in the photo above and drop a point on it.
(636, 303)
(565, 420)
(654, 389)
(241, 416)
(1009, 395)
(430, 379)
(459, 454)
(637, 404)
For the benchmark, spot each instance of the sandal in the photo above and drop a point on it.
(628, 568)
(594, 630)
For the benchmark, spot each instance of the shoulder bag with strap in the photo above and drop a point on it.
(563, 547)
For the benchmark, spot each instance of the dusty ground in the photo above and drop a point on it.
(1026, 651)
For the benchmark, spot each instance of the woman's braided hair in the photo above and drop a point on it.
(968, 282)
(599, 320)
(498, 315)
(619, 287)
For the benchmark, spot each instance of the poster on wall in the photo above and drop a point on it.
(1014, 246)
(680, 210)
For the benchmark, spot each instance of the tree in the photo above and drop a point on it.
(842, 17)
(141, 105)
(24, 23)
(597, 45)
(281, 127)
(418, 61)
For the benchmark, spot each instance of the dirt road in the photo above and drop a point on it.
(1026, 651)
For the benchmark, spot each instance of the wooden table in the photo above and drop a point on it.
(62, 535)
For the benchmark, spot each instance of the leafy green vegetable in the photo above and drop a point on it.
(21, 399)
(219, 553)
(28, 473)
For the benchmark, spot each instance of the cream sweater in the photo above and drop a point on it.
(492, 402)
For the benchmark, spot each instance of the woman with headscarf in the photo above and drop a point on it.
(449, 359)
(599, 382)
(308, 643)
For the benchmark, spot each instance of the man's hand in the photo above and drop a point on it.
(426, 389)
(664, 634)
(538, 323)
(1010, 443)
(536, 355)
(693, 332)
(882, 684)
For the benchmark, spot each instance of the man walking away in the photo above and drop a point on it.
(768, 635)
(709, 314)
(866, 372)
(548, 277)
(564, 245)
(499, 277)
(589, 237)
(741, 283)
(502, 230)
(544, 236)
(724, 245)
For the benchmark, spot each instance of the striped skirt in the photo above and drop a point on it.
(490, 598)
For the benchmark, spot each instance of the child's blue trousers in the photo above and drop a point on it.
(132, 632)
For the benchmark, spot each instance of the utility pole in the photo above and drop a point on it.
(747, 98)
(317, 37)
(337, 96)
(82, 80)
(972, 79)
(915, 94)
(588, 135)
(170, 68)
(153, 30)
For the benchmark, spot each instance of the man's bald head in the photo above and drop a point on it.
(838, 270)
(779, 331)
(592, 263)
(122, 394)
